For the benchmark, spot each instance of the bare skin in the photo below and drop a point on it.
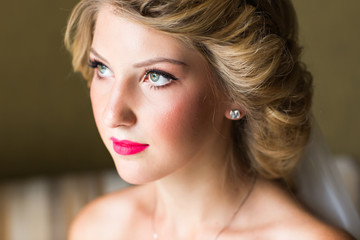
(180, 193)
(269, 213)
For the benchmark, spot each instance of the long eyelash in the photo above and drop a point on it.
(94, 63)
(164, 74)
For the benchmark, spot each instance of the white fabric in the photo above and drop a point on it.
(322, 189)
(349, 169)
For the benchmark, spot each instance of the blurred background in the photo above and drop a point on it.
(46, 123)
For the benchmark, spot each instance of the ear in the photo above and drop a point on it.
(234, 113)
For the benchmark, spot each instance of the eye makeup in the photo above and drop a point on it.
(102, 71)
(158, 78)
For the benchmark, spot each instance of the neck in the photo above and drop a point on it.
(189, 200)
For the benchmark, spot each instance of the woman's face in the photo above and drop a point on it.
(152, 100)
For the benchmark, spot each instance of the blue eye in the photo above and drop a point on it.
(159, 78)
(102, 70)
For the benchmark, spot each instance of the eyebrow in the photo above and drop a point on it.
(144, 63)
(158, 60)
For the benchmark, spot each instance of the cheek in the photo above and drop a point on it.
(97, 107)
(94, 102)
(183, 120)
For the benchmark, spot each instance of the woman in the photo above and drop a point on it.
(204, 105)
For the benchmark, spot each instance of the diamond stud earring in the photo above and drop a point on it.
(235, 114)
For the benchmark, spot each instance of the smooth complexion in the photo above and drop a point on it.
(176, 116)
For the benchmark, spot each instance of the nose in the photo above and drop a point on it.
(118, 110)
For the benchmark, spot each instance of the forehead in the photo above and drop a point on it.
(122, 33)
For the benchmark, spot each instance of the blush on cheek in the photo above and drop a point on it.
(185, 119)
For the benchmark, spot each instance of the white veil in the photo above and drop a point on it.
(321, 188)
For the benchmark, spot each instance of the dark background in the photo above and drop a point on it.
(46, 123)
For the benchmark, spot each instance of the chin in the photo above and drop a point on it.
(134, 177)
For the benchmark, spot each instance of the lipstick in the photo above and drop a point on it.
(126, 147)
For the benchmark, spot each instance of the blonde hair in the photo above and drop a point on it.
(253, 49)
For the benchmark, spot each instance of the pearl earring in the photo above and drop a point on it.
(235, 114)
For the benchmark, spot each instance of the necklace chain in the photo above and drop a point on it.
(156, 236)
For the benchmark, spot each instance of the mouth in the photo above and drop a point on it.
(126, 147)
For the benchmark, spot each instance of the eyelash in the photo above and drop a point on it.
(95, 64)
(163, 74)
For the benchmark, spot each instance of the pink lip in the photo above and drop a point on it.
(125, 147)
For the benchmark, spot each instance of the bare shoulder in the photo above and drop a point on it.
(285, 218)
(307, 228)
(111, 216)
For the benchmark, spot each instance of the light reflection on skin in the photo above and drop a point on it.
(183, 124)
